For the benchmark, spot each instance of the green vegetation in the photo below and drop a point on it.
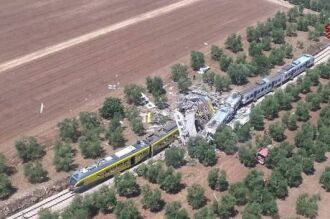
(199, 148)
(111, 106)
(133, 94)
(174, 157)
(28, 149)
(152, 199)
(174, 210)
(63, 160)
(90, 146)
(69, 129)
(204, 213)
(257, 118)
(225, 207)
(247, 156)
(115, 132)
(89, 122)
(225, 139)
(325, 179)
(307, 206)
(276, 131)
(217, 180)
(216, 53)
(234, 43)
(197, 60)
(126, 185)
(34, 172)
(126, 210)
(6, 189)
(224, 62)
(196, 197)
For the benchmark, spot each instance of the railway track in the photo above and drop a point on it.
(66, 195)
(33, 211)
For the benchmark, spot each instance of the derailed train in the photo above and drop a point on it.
(143, 149)
(228, 109)
(124, 159)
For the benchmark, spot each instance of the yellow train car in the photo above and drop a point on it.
(124, 159)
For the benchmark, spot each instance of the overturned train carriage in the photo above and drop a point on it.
(124, 159)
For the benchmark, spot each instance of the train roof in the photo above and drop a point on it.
(304, 58)
(126, 152)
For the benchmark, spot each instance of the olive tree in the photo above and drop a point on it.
(195, 196)
(28, 149)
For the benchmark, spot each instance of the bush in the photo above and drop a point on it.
(90, 146)
(222, 83)
(226, 207)
(252, 34)
(133, 94)
(6, 188)
(126, 210)
(277, 185)
(105, 199)
(261, 65)
(155, 86)
(184, 84)
(270, 107)
(115, 132)
(255, 49)
(3, 164)
(314, 100)
(174, 210)
(63, 157)
(276, 56)
(308, 165)
(243, 132)
(307, 206)
(196, 197)
(278, 36)
(174, 157)
(28, 149)
(302, 111)
(239, 191)
(69, 129)
(152, 199)
(169, 180)
(137, 127)
(47, 214)
(204, 213)
(197, 60)
(89, 122)
(234, 43)
(292, 123)
(276, 131)
(247, 156)
(34, 172)
(126, 185)
(179, 71)
(252, 210)
(226, 140)
(325, 179)
(216, 53)
(257, 118)
(199, 148)
(224, 62)
(238, 73)
(111, 106)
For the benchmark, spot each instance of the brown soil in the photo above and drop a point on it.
(76, 79)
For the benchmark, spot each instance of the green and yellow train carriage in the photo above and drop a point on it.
(124, 159)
